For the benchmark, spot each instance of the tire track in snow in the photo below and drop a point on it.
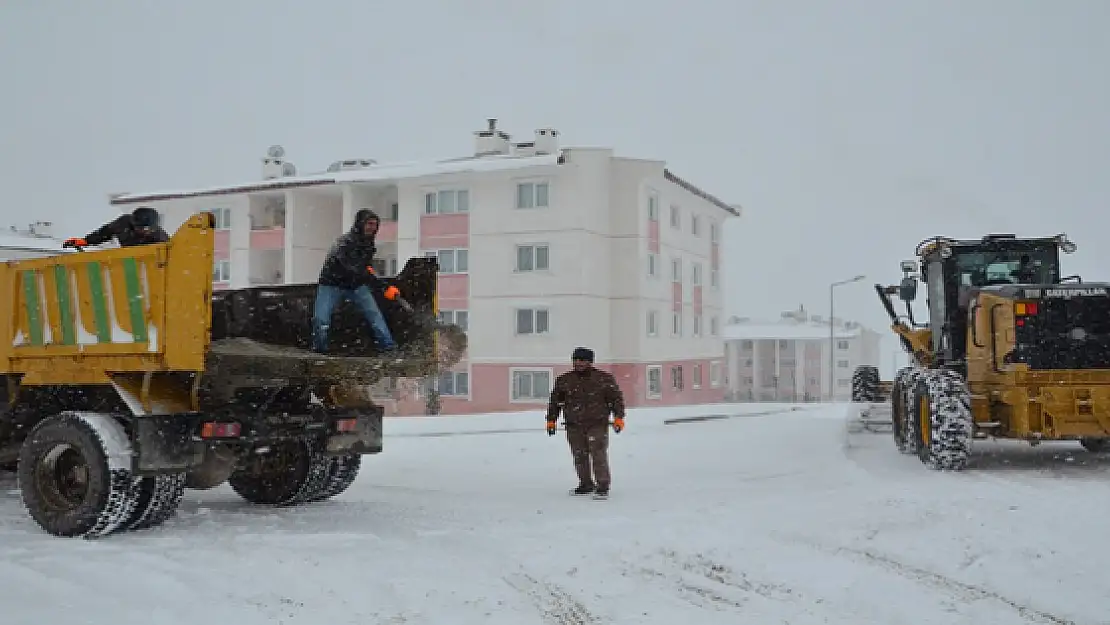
(957, 589)
(556, 605)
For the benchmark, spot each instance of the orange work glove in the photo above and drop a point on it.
(551, 427)
(75, 242)
(392, 292)
(618, 424)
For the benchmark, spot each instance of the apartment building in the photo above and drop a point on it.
(788, 360)
(541, 248)
(34, 241)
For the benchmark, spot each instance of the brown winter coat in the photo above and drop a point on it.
(585, 398)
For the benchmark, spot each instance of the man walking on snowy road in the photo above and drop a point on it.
(587, 396)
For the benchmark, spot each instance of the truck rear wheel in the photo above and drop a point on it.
(342, 472)
(289, 473)
(157, 501)
(75, 475)
(944, 424)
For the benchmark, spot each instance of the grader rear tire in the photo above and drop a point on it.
(944, 424)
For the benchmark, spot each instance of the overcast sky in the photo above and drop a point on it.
(848, 129)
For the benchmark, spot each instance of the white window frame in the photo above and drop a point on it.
(535, 310)
(455, 375)
(222, 218)
(715, 278)
(714, 232)
(695, 225)
(695, 376)
(678, 382)
(456, 254)
(221, 271)
(653, 323)
(533, 399)
(676, 217)
(696, 271)
(697, 326)
(714, 325)
(534, 254)
(842, 364)
(676, 270)
(534, 194)
(434, 204)
(842, 345)
(386, 266)
(459, 317)
(653, 206)
(656, 394)
(676, 324)
(653, 265)
(715, 374)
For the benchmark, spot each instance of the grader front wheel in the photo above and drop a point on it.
(944, 425)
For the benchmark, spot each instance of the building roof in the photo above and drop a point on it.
(784, 331)
(392, 171)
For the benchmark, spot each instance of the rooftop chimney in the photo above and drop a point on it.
(491, 141)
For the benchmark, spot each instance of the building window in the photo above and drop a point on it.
(532, 321)
(223, 218)
(842, 364)
(531, 385)
(446, 202)
(221, 271)
(451, 261)
(714, 328)
(459, 318)
(715, 374)
(714, 278)
(652, 323)
(676, 378)
(697, 274)
(695, 376)
(654, 381)
(532, 258)
(676, 324)
(695, 225)
(746, 345)
(532, 195)
(454, 384)
(385, 266)
(842, 383)
(676, 219)
(653, 265)
(783, 344)
(842, 345)
(653, 206)
(714, 233)
(697, 325)
(676, 270)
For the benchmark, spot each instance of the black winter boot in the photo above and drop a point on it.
(583, 489)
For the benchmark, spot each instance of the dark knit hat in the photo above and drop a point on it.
(582, 353)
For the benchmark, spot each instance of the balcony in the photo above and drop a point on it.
(268, 230)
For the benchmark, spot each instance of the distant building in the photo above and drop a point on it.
(541, 248)
(788, 360)
(34, 241)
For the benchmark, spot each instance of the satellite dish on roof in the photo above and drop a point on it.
(275, 151)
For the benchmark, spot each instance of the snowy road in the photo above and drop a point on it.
(765, 519)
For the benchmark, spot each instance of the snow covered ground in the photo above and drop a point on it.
(758, 518)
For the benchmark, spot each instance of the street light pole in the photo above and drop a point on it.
(832, 331)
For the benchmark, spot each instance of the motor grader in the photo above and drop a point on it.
(1010, 349)
(128, 380)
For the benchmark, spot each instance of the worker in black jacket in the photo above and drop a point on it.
(348, 274)
(141, 227)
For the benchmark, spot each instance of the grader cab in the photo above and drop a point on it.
(1010, 349)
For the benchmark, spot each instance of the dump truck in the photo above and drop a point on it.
(129, 380)
(1011, 349)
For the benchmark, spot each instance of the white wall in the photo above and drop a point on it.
(313, 222)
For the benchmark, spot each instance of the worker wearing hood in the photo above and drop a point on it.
(348, 274)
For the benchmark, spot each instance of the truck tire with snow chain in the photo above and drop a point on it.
(293, 472)
(941, 411)
(903, 424)
(865, 384)
(342, 472)
(158, 499)
(75, 475)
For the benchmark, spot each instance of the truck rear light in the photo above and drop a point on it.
(346, 425)
(215, 429)
(1022, 309)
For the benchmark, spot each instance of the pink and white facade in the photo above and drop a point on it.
(541, 249)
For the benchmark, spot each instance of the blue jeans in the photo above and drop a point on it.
(328, 297)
